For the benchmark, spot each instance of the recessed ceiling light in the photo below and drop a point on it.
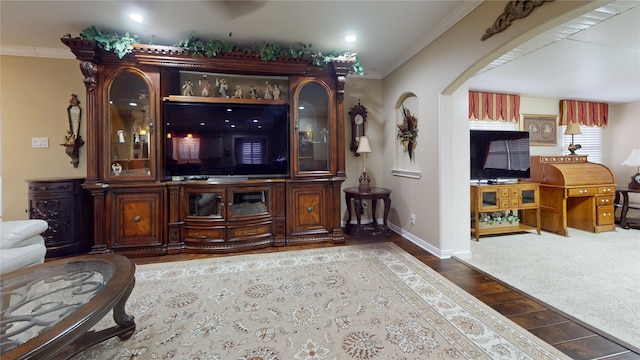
(133, 104)
(350, 38)
(136, 17)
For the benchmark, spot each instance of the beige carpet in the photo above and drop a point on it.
(593, 277)
(349, 302)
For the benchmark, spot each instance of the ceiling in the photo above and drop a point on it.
(595, 57)
(598, 61)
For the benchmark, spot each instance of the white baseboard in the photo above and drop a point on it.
(416, 240)
(421, 243)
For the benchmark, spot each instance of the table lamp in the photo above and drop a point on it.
(364, 148)
(573, 129)
(634, 160)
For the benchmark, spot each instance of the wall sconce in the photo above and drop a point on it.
(73, 141)
(364, 179)
(573, 129)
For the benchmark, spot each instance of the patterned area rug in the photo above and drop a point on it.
(347, 302)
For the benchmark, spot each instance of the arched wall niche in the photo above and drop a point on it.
(403, 166)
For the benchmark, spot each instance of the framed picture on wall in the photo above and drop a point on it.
(543, 129)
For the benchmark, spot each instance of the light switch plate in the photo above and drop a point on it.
(39, 142)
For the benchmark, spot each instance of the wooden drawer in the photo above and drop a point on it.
(504, 192)
(590, 191)
(245, 232)
(606, 190)
(204, 234)
(515, 202)
(605, 215)
(604, 200)
(505, 204)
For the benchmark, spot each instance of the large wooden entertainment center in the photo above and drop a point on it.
(139, 209)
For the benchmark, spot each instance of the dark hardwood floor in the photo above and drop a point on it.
(569, 335)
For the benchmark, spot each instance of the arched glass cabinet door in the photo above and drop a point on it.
(313, 127)
(131, 144)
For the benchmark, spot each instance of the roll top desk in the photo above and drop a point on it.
(573, 193)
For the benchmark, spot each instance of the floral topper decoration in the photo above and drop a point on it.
(408, 131)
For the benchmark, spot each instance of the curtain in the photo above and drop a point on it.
(495, 107)
(584, 112)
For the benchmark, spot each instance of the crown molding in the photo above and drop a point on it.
(51, 53)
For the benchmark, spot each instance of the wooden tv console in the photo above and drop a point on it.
(140, 209)
(523, 197)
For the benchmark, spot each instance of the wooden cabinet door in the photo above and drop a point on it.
(137, 218)
(307, 209)
(314, 129)
(67, 209)
(130, 116)
(528, 196)
(489, 200)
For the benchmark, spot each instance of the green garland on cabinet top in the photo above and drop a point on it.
(123, 44)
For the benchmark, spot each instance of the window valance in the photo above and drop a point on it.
(495, 107)
(584, 112)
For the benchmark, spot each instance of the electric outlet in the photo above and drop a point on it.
(413, 218)
(39, 142)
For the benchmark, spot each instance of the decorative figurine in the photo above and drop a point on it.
(205, 85)
(117, 169)
(120, 135)
(267, 91)
(222, 87)
(276, 92)
(253, 93)
(187, 88)
(238, 93)
(69, 139)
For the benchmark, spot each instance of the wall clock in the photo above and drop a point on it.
(358, 116)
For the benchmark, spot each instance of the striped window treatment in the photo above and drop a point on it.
(584, 112)
(495, 107)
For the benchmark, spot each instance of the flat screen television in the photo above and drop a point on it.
(209, 140)
(499, 155)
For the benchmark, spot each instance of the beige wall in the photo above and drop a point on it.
(623, 134)
(34, 96)
(369, 93)
(438, 76)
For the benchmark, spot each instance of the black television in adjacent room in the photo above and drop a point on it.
(498, 155)
(209, 140)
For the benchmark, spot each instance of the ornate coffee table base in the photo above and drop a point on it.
(125, 327)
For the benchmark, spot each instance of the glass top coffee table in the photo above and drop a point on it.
(48, 310)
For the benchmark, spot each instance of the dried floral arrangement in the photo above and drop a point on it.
(408, 131)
